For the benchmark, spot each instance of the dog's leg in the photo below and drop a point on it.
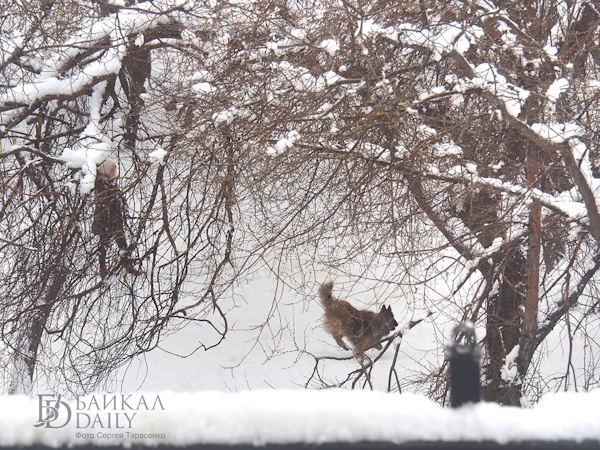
(359, 349)
(340, 342)
(362, 359)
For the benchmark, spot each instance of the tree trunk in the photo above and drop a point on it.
(30, 338)
(503, 330)
(530, 311)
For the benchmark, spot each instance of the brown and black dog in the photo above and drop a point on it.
(364, 329)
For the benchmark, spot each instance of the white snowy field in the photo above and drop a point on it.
(251, 387)
(293, 416)
(275, 335)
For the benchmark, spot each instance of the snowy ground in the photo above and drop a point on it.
(280, 353)
(250, 388)
(276, 356)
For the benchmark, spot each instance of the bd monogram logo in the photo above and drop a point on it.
(53, 412)
(96, 412)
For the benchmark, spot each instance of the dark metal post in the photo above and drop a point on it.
(464, 360)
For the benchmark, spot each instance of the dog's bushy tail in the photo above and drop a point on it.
(325, 292)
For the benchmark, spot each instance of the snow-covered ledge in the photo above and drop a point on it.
(276, 417)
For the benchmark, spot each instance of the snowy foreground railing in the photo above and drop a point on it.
(295, 419)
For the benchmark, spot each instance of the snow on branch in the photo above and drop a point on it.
(556, 137)
(83, 64)
(108, 37)
(562, 203)
(439, 41)
(56, 88)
